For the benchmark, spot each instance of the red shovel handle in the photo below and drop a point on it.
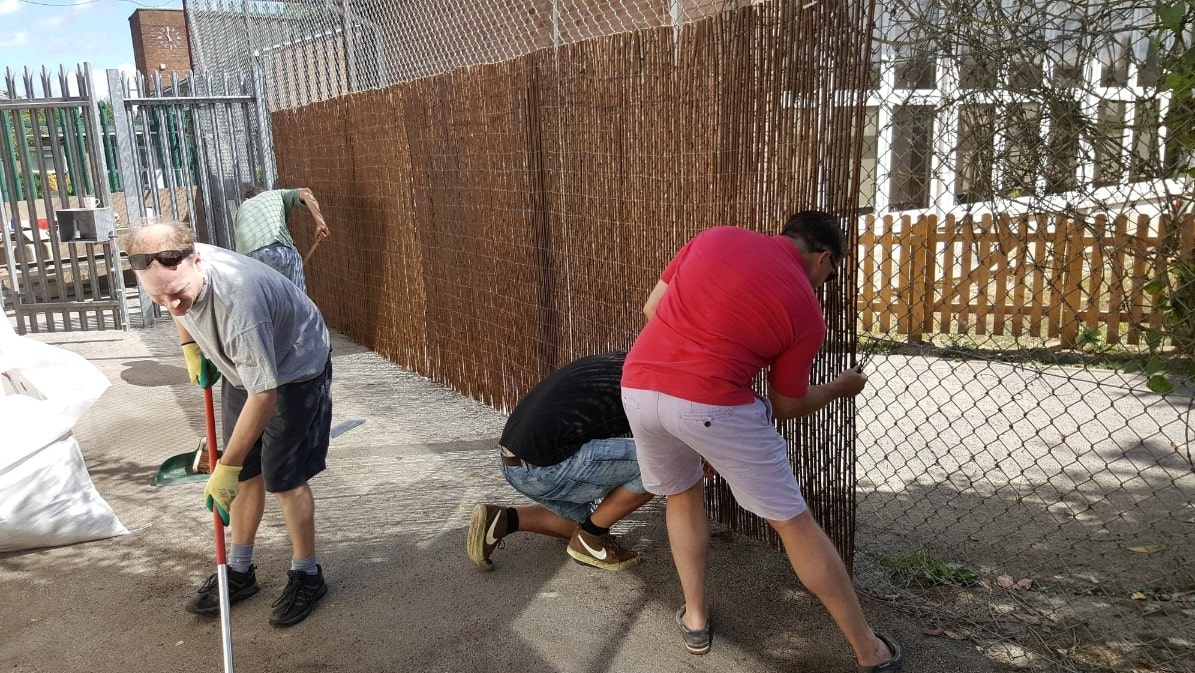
(209, 411)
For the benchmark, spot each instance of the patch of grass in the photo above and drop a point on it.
(922, 569)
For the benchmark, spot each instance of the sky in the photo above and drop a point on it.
(51, 33)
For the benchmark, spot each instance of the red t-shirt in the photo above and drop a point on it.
(737, 301)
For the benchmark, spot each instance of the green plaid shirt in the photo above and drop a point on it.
(261, 220)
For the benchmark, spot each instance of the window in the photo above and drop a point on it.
(1023, 149)
(912, 127)
(1108, 141)
(976, 136)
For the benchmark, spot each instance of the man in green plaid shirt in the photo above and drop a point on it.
(261, 231)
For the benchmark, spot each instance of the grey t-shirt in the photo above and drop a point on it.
(259, 330)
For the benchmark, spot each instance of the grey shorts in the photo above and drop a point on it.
(283, 259)
(294, 446)
(672, 435)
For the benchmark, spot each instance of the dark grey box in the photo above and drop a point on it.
(85, 224)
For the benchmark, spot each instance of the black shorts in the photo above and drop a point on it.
(294, 446)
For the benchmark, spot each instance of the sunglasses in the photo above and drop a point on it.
(833, 267)
(167, 258)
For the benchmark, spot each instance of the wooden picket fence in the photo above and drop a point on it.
(1041, 276)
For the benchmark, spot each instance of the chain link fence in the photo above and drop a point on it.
(1025, 281)
(312, 50)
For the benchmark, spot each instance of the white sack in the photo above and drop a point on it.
(46, 495)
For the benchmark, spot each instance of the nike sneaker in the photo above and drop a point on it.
(600, 551)
(486, 530)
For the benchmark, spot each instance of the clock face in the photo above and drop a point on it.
(170, 37)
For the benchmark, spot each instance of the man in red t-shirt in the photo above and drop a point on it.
(731, 303)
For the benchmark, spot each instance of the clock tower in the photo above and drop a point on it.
(160, 42)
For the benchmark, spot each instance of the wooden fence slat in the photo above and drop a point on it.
(916, 264)
(887, 251)
(964, 310)
(1004, 246)
(1119, 249)
(1018, 236)
(983, 246)
(930, 294)
(1140, 247)
(867, 277)
(1039, 289)
(1095, 272)
(946, 276)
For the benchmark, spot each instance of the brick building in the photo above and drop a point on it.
(160, 42)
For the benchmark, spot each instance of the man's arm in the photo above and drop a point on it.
(653, 299)
(183, 335)
(321, 227)
(256, 414)
(846, 384)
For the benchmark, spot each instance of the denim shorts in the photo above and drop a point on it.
(294, 446)
(574, 488)
(740, 442)
(283, 259)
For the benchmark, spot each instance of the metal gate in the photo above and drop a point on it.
(188, 147)
(61, 268)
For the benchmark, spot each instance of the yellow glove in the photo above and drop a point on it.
(221, 489)
(200, 370)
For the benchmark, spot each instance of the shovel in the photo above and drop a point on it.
(181, 468)
(221, 556)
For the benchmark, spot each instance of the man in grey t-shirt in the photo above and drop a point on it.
(269, 342)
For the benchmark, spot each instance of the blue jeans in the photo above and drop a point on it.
(574, 488)
(283, 259)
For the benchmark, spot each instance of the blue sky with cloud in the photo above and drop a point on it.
(50, 33)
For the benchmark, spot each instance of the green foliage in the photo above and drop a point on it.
(1175, 297)
(924, 570)
(1092, 339)
(1179, 76)
(1174, 293)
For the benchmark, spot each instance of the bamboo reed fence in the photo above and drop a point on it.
(497, 221)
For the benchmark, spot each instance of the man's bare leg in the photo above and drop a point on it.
(298, 510)
(616, 505)
(244, 515)
(689, 538)
(821, 570)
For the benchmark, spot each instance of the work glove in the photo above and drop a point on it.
(221, 489)
(200, 369)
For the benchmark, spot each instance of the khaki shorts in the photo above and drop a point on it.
(672, 435)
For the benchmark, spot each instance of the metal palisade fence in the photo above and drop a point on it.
(60, 268)
(1023, 286)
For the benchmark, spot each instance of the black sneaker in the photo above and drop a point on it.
(299, 597)
(240, 587)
